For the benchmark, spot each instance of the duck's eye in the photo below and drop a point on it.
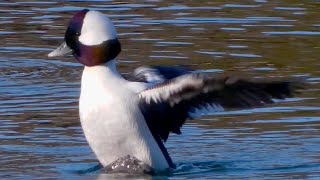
(77, 34)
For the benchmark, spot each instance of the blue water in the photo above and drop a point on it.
(40, 134)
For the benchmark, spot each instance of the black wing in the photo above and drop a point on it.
(167, 105)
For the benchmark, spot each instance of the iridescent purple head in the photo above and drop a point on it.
(91, 37)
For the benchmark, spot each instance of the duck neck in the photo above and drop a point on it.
(112, 67)
(103, 72)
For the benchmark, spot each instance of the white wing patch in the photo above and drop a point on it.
(179, 89)
(151, 75)
(164, 93)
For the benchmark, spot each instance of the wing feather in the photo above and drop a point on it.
(167, 105)
(156, 74)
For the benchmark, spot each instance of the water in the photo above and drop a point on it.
(40, 133)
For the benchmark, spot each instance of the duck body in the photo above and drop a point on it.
(112, 121)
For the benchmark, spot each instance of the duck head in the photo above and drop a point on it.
(91, 37)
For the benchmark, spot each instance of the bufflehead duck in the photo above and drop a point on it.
(121, 117)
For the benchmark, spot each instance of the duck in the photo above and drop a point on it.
(133, 117)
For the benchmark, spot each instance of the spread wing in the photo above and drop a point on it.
(167, 105)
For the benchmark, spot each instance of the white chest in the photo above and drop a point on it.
(112, 121)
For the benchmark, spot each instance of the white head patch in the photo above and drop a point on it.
(96, 28)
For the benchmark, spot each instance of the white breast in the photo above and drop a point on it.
(112, 121)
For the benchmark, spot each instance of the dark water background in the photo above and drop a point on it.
(40, 136)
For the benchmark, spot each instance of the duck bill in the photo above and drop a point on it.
(61, 50)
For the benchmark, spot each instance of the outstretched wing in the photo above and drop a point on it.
(167, 105)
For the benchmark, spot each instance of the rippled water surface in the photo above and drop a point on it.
(40, 135)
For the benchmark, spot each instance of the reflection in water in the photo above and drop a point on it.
(39, 128)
